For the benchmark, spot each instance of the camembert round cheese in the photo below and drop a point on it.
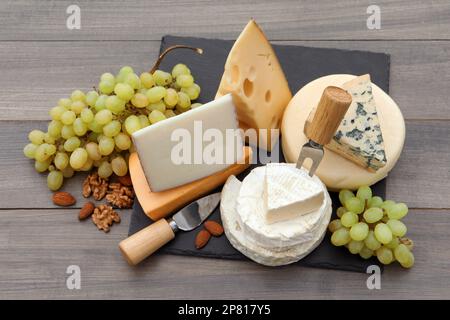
(334, 170)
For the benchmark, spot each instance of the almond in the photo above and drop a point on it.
(202, 238)
(214, 228)
(86, 211)
(125, 180)
(63, 199)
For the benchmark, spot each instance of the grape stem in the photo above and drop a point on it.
(178, 46)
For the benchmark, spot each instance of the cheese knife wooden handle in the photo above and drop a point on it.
(330, 111)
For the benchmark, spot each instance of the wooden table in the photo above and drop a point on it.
(42, 61)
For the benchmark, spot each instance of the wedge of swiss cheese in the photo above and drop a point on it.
(255, 78)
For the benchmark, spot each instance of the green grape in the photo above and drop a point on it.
(115, 104)
(393, 244)
(340, 211)
(354, 205)
(139, 100)
(385, 255)
(42, 166)
(87, 115)
(334, 225)
(126, 70)
(100, 104)
(64, 102)
(383, 233)
(36, 137)
(169, 113)
(147, 80)
(162, 78)
(54, 128)
(67, 132)
(344, 195)
(79, 127)
(409, 261)
(68, 172)
(87, 165)
(156, 116)
(122, 141)
(43, 152)
(196, 105)
(91, 98)
(366, 253)
(133, 80)
(375, 202)
(78, 158)
(397, 211)
(124, 91)
(407, 242)
(142, 90)
(71, 144)
(180, 69)
(132, 124)
(349, 218)
(184, 103)
(107, 76)
(364, 193)
(340, 237)
(193, 91)
(104, 170)
(61, 160)
(51, 148)
(48, 138)
(373, 215)
(171, 98)
(56, 112)
(103, 117)
(119, 166)
(387, 204)
(93, 151)
(143, 119)
(30, 150)
(55, 180)
(68, 117)
(106, 146)
(77, 106)
(355, 247)
(371, 241)
(185, 80)
(402, 254)
(160, 106)
(95, 127)
(106, 86)
(359, 231)
(112, 129)
(397, 227)
(78, 95)
(156, 94)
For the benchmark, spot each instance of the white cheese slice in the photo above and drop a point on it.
(289, 192)
(176, 151)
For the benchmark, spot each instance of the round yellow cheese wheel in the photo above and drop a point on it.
(335, 171)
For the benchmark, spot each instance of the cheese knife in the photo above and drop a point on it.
(146, 241)
(328, 115)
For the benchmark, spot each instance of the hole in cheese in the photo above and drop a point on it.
(252, 73)
(268, 96)
(248, 88)
(234, 74)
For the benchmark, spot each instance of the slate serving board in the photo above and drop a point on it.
(301, 65)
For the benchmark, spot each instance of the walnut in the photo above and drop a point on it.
(120, 196)
(104, 216)
(95, 185)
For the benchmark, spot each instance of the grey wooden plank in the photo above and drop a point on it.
(36, 247)
(286, 19)
(420, 72)
(420, 179)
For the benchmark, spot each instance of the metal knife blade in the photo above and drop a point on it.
(313, 151)
(195, 213)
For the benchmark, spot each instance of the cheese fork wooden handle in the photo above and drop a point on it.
(329, 113)
(145, 242)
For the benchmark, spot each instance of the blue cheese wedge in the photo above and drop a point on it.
(359, 137)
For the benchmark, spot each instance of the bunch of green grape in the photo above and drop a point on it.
(93, 129)
(369, 226)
